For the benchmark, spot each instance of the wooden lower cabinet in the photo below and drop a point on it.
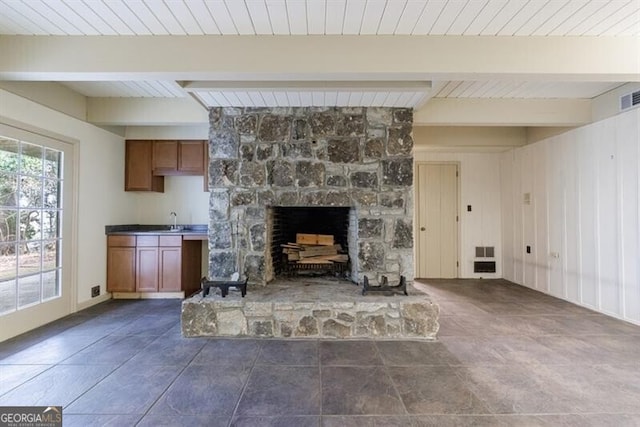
(170, 269)
(147, 269)
(121, 269)
(121, 263)
(153, 263)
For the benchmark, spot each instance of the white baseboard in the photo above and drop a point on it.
(162, 295)
(148, 295)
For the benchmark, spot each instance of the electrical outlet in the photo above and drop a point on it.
(95, 291)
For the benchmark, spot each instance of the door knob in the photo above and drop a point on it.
(422, 228)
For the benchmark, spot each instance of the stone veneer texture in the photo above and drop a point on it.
(413, 317)
(353, 157)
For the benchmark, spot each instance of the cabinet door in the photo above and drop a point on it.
(138, 173)
(170, 270)
(121, 269)
(147, 269)
(165, 157)
(191, 157)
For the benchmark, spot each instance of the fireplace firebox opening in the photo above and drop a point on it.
(285, 223)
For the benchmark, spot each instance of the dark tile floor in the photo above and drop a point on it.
(506, 356)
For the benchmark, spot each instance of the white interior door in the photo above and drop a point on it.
(437, 221)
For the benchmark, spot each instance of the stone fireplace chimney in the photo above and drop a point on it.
(360, 158)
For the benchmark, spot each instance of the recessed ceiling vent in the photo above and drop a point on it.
(629, 100)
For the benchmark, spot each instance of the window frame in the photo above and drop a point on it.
(36, 315)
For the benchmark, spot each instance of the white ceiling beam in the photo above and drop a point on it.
(320, 58)
(503, 112)
(309, 86)
(437, 112)
(469, 136)
(145, 111)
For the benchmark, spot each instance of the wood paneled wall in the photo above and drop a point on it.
(582, 222)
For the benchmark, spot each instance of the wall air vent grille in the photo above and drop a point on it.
(484, 267)
(485, 251)
(629, 100)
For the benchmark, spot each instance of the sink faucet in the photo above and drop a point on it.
(175, 218)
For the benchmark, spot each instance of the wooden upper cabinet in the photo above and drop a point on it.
(178, 158)
(191, 157)
(165, 157)
(147, 162)
(138, 172)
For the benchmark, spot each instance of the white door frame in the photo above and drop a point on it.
(416, 212)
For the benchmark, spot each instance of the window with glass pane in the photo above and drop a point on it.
(30, 217)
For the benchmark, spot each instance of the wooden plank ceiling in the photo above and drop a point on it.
(558, 18)
(323, 17)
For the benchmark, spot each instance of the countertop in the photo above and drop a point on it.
(145, 229)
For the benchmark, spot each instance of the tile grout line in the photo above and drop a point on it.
(93, 386)
(28, 379)
(244, 387)
(59, 363)
(112, 371)
(116, 366)
(162, 392)
(172, 381)
(385, 369)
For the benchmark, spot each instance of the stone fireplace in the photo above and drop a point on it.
(346, 172)
(356, 158)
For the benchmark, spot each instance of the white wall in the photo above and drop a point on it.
(101, 199)
(480, 188)
(584, 187)
(183, 195)
(168, 132)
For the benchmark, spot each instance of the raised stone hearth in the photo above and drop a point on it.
(311, 308)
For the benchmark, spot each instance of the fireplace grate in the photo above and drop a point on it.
(293, 268)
